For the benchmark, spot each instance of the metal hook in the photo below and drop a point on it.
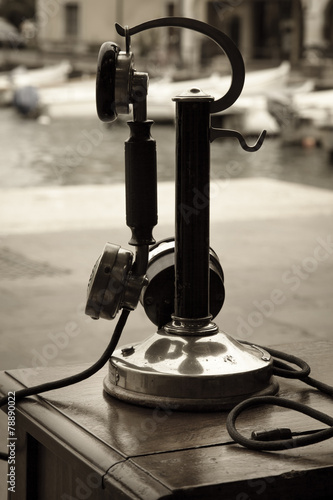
(215, 133)
(222, 40)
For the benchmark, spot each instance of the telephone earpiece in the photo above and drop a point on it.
(118, 84)
(105, 82)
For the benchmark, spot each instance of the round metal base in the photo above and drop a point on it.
(189, 373)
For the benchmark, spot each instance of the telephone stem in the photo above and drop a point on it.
(192, 205)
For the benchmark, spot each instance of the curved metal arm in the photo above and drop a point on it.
(215, 133)
(224, 42)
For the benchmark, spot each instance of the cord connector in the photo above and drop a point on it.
(272, 435)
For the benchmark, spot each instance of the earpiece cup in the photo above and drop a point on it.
(105, 82)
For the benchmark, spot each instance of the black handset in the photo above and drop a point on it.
(118, 277)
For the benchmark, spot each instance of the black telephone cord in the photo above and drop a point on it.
(74, 379)
(282, 439)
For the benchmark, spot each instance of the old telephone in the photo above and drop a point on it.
(188, 363)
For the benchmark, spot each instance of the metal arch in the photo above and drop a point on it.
(224, 42)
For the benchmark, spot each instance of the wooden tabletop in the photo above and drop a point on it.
(159, 453)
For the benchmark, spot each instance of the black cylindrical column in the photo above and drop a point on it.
(192, 205)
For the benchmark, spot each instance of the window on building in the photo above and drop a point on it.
(223, 16)
(72, 19)
(274, 25)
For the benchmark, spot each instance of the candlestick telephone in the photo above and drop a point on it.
(119, 86)
(188, 363)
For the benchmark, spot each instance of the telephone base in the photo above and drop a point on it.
(189, 373)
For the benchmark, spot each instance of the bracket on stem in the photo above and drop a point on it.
(215, 133)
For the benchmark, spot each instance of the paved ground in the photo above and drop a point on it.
(274, 240)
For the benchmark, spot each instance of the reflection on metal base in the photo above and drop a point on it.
(192, 373)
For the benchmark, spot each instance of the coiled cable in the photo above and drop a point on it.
(282, 439)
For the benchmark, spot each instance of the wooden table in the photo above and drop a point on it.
(78, 443)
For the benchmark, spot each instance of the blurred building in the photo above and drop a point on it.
(80, 26)
(262, 29)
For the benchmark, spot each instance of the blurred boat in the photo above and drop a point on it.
(40, 77)
(257, 83)
(302, 115)
(74, 98)
(77, 98)
(21, 77)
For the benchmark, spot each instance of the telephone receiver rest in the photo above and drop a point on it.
(117, 81)
(215, 133)
(119, 84)
(222, 40)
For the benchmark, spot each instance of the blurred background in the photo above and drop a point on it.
(47, 84)
(62, 170)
